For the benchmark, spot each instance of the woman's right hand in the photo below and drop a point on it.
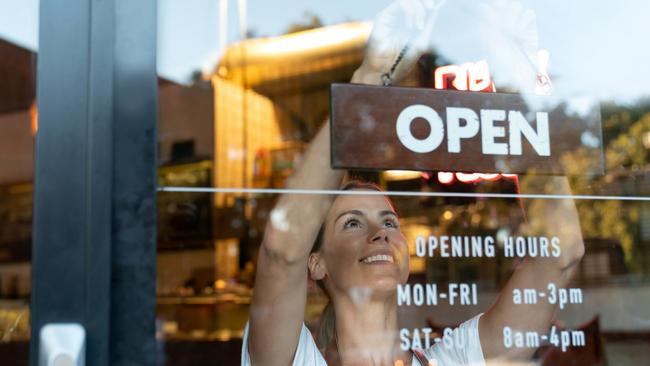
(405, 26)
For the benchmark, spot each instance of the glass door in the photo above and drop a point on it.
(486, 210)
(209, 175)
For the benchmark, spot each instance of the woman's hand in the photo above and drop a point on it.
(403, 31)
(549, 217)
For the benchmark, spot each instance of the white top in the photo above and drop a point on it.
(461, 347)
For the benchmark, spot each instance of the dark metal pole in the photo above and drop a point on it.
(72, 210)
(134, 185)
(94, 200)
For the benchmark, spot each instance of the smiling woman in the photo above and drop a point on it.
(352, 245)
(350, 222)
(359, 259)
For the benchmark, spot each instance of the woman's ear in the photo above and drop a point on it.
(316, 267)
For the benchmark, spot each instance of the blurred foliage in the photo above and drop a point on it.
(309, 21)
(627, 151)
(624, 128)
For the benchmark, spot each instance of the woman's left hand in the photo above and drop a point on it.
(402, 30)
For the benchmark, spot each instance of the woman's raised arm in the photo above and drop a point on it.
(553, 218)
(281, 283)
(280, 290)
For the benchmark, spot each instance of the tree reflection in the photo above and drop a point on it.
(626, 174)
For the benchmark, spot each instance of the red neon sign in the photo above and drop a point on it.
(472, 76)
(449, 178)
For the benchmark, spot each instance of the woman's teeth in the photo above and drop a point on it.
(379, 258)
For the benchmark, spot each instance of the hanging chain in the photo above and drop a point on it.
(387, 77)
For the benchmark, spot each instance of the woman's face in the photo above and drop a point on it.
(363, 246)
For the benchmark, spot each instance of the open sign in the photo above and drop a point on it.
(456, 131)
(427, 129)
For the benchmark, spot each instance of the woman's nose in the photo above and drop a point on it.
(380, 235)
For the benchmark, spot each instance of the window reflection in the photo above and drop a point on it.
(270, 95)
(18, 126)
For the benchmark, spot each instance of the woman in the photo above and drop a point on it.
(361, 256)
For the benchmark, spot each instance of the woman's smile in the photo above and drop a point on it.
(378, 259)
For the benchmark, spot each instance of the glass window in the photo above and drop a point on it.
(547, 234)
(18, 127)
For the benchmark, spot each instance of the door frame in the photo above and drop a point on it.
(94, 228)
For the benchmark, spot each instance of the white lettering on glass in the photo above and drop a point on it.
(491, 125)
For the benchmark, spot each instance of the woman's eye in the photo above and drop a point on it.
(391, 224)
(351, 223)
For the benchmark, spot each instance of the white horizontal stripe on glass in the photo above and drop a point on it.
(397, 193)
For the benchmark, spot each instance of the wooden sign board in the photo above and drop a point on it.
(375, 127)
